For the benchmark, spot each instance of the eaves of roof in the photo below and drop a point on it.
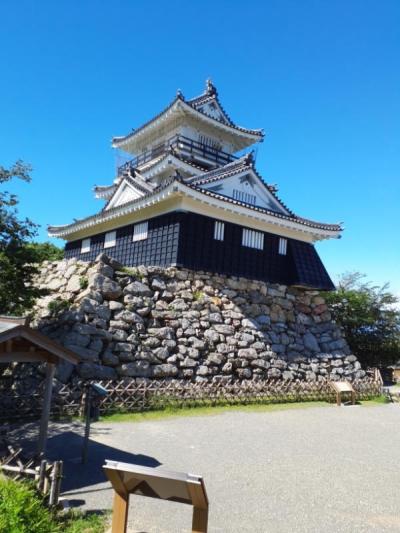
(173, 154)
(236, 167)
(134, 183)
(109, 213)
(120, 210)
(119, 141)
(292, 218)
(205, 99)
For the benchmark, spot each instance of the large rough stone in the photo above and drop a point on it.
(129, 316)
(93, 371)
(224, 329)
(165, 370)
(85, 354)
(138, 369)
(107, 287)
(138, 288)
(74, 283)
(310, 342)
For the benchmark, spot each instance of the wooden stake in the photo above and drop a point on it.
(44, 421)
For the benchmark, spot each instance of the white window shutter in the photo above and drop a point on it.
(110, 239)
(252, 239)
(282, 246)
(85, 246)
(219, 230)
(140, 231)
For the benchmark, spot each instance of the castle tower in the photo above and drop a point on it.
(186, 198)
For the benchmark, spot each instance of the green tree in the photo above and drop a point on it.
(45, 251)
(370, 318)
(18, 255)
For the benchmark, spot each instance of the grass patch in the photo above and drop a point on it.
(83, 282)
(22, 510)
(58, 306)
(377, 400)
(131, 271)
(170, 412)
(174, 412)
(77, 522)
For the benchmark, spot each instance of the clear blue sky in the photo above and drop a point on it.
(321, 77)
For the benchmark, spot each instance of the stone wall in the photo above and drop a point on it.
(167, 322)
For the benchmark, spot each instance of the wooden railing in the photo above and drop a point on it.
(185, 146)
(46, 475)
(130, 394)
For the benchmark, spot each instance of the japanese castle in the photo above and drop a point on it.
(186, 198)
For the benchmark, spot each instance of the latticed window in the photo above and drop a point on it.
(140, 231)
(282, 246)
(209, 141)
(219, 230)
(85, 246)
(244, 197)
(253, 239)
(110, 239)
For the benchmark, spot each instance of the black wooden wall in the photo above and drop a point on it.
(160, 247)
(187, 239)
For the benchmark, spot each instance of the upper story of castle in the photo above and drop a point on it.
(198, 131)
(192, 157)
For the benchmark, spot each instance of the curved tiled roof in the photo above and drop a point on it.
(128, 178)
(191, 104)
(210, 95)
(126, 208)
(244, 163)
(292, 218)
(174, 154)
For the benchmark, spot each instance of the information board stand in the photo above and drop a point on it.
(343, 386)
(128, 479)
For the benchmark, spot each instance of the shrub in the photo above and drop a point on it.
(198, 295)
(22, 510)
(58, 306)
(83, 282)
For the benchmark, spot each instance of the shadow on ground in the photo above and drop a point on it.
(67, 446)
(65, 442)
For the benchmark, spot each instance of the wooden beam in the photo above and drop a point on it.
(44, 421)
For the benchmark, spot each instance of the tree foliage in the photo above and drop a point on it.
(370, 318)
(45, 251)
(18, 255)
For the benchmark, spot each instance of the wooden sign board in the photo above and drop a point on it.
(128, 479)
(343, 386)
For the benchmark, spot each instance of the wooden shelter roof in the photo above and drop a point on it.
(20, 343)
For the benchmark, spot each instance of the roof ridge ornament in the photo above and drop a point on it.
(249, 158)
(179, 94)
(210, 87)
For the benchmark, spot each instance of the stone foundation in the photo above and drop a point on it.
(157, 322)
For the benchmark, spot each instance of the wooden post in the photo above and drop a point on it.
(338, 399)
(120, 513)
(44, 421)
(200, 520)
(353, 398)
(42, 474)
(55, 485)
(200, 507)
(88, 405)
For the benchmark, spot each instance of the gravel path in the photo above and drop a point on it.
(324, 469)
